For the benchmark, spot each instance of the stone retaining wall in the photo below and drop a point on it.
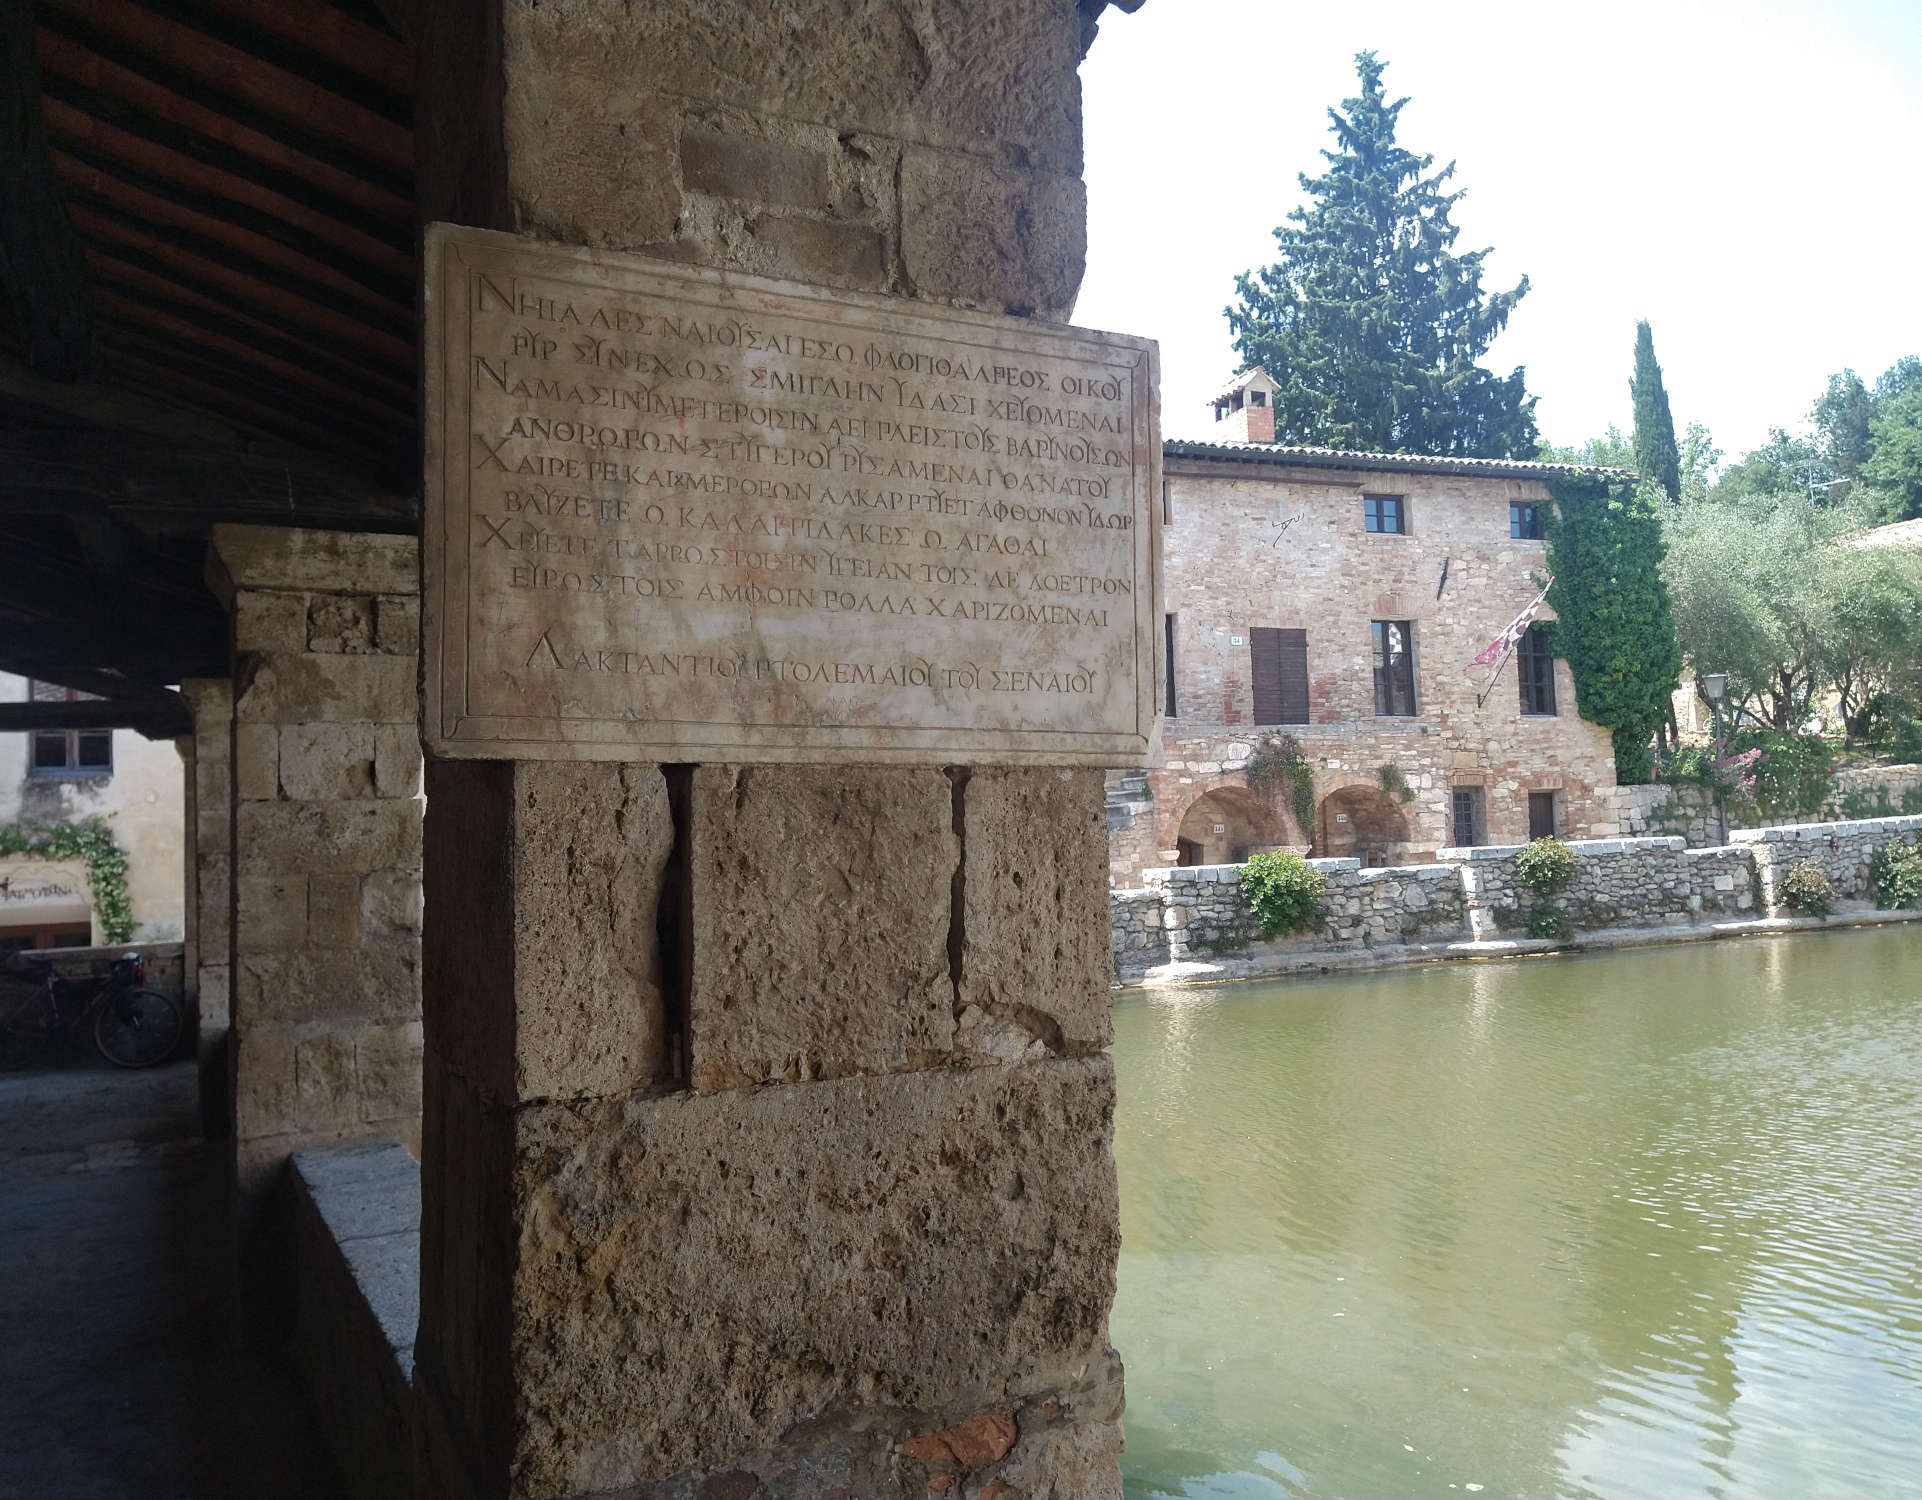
(1198, 911)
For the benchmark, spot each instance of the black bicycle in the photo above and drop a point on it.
(130, 1024)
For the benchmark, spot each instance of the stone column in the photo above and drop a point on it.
(326, 830)
(767, 1128)
(208, 754)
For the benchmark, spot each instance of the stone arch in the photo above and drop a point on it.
(1225, 824)
(1360, 821)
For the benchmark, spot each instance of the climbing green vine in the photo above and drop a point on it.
(90, 840)
(1278, 762)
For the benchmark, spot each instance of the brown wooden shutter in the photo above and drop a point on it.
(1280, 663)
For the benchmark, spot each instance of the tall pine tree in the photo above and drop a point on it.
(1657, 459)
(1370, 321)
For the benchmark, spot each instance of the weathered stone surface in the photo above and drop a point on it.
(333, 911)
(1035, 932)
(590, 847)
(387, 1060)
(929, 543)
(911, 1242)
(372, 834)
(287, 689)
(820, 905)
(381, 982)
(320, 762)
(827, 254)
(987, 236)
(269, 622)
(397, 624)
(396, 760)
(341, 623)
(761, 170)
(288, 559)
(264, 1083)
(271, 913)
(325, 1085)
(586, 163)
(256, 766)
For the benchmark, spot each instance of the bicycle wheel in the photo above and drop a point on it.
(137, 1028)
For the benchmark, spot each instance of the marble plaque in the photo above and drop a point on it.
(673, 513)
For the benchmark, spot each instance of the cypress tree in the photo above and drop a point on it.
(1370, 321)
(1657, 459)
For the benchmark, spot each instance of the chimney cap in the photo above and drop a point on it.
(1255, 379)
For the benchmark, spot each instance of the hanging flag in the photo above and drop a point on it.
(1496, 651)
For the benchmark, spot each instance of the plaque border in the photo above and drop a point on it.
(450, 731)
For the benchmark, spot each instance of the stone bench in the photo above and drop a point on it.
(357, 1254)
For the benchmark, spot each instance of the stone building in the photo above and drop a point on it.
(1340, 599)
(63, 774)
(694, 1129)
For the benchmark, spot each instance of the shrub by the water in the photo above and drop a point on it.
(1806, 889)
(1896, 873)
(1545, 868)
(1282, 889)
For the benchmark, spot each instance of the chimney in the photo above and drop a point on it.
(1245, 412)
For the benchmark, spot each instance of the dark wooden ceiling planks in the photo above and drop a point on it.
(237, 180)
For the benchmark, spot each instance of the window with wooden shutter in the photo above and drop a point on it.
(1535, 667)
(1280, 675)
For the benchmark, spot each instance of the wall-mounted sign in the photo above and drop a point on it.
(675, 513)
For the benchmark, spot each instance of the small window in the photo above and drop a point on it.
(68, 752)
(1257, 398)
(1535, 665)
(1394, 668)
(1384, 513)
(1524, 522)
(1467, 809)
(1541, 815)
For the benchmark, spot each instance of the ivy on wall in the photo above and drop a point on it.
(91, 840)
(1616, 630)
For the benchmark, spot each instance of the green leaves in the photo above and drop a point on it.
(90, 840)
(1369, 320)
(1616, 630)
(1656, 457)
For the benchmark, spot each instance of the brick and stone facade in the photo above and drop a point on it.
(1257, 536)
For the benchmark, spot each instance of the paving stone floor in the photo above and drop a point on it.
(116, 1379)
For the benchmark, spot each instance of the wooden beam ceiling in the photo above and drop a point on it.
(210, 261)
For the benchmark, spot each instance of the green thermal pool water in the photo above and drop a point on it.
(1635, 1224)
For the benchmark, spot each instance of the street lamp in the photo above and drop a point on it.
(1714, 685)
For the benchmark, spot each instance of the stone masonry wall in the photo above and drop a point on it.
(1198, 911)
(325, 923)
(1251, 545)
(856, 1016)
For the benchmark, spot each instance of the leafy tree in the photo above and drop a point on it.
(1785, 465)
(1369, 319)
(1616, 630)
(1842, 418)
(1699, 459)
(1765, 591)
(1657, 459)
(1893, 469)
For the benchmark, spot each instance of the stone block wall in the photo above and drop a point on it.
(1864, 791)
(326, 868)
(1196, 912)
(838, 1030)
(1843, 851)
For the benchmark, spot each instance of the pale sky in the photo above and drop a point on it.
(1747, 176)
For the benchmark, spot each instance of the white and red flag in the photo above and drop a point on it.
(1496, 651)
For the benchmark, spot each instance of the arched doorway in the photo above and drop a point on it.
(1225, 824)
(1361, 822)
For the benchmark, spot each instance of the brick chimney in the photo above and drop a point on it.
(1245, 412)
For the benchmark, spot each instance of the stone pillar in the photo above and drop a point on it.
(767, 1130)
(326, 831)
(208, 754)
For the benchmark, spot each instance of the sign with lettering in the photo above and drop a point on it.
(673, 513)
